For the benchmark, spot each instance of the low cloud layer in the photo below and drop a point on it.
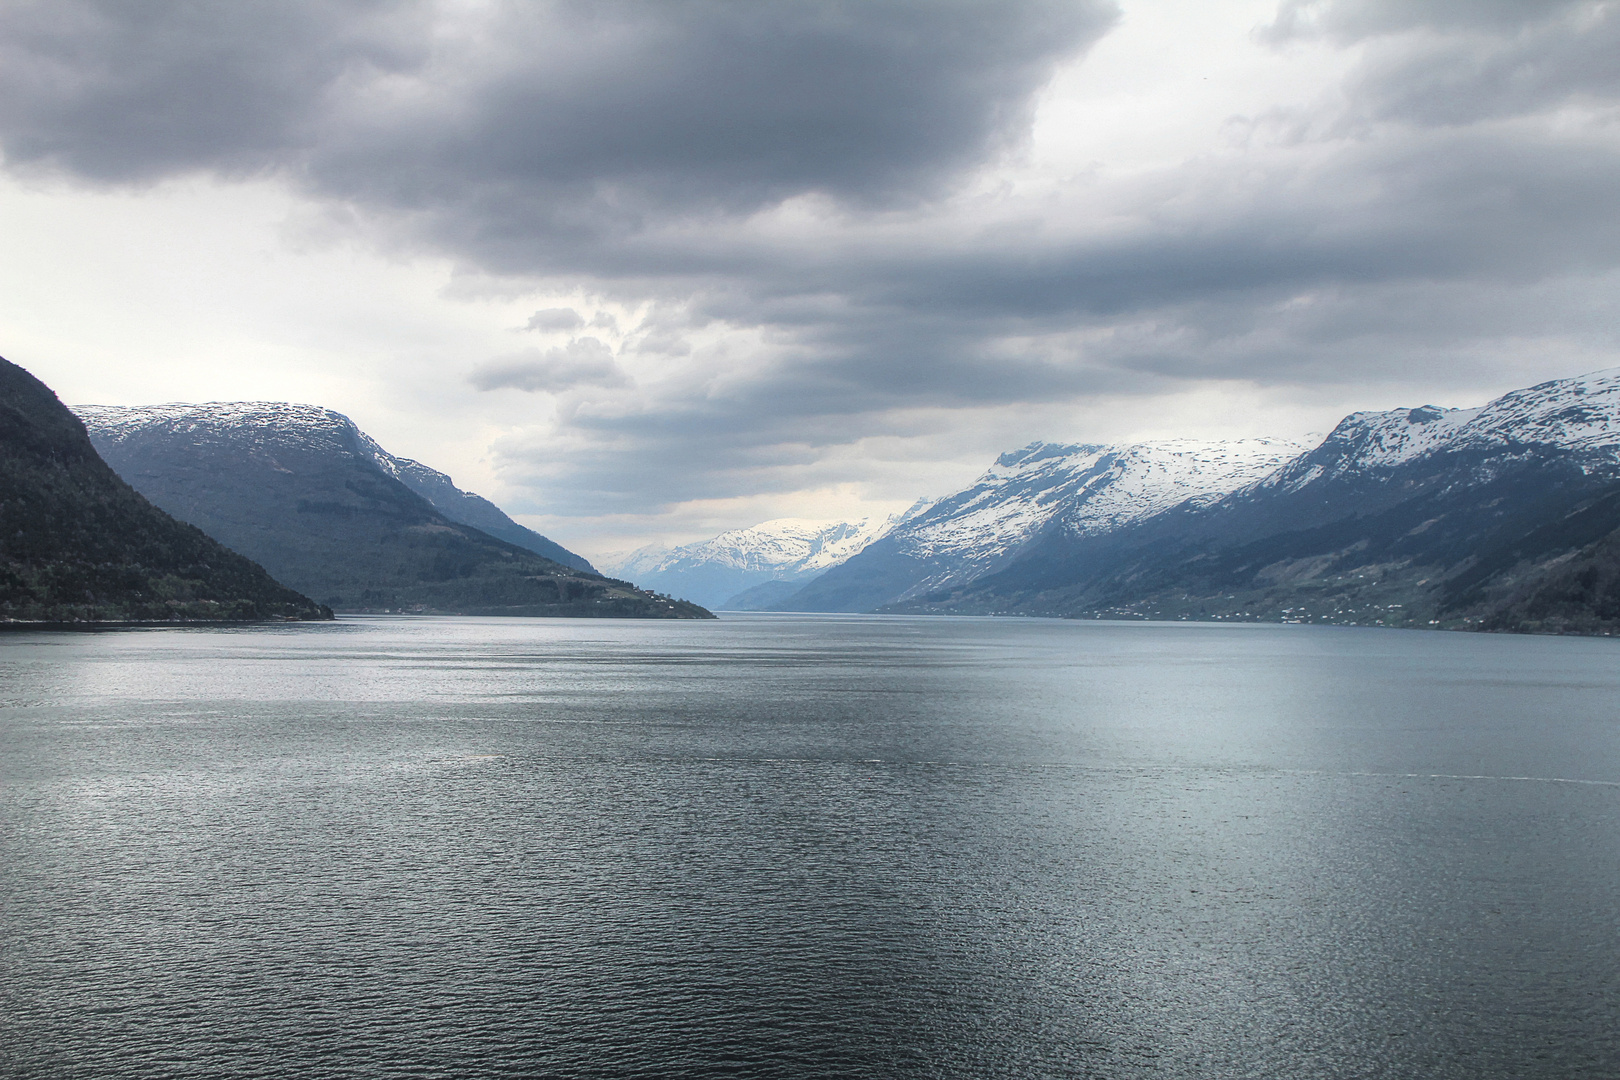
(818, 222)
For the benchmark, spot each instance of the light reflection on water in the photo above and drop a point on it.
(809, 846)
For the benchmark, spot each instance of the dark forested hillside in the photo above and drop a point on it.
(77, 544)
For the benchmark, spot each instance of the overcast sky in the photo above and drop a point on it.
(649, 270)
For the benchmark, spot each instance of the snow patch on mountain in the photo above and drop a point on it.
(783, 549)
(249, 422)
(1579, 416)
(785, 545)
(1387, 439)
(1085, 489)
(268, 428)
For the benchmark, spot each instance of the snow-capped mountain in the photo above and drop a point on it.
(259, 423)
(1505, 515)
(79, 546)
(1579, 417)
(1082, 489)
(784, 552)
(1089, 489)
(306, 494)
(266, 428)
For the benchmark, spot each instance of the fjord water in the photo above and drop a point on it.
(808, 846)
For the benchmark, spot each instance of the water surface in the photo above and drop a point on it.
(808, 846)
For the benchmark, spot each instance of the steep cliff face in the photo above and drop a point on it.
(304, 491)
(77, 544)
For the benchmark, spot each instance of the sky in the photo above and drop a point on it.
(645, 271)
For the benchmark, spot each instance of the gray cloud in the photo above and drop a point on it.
(582, 362)
(112, 91)
(1467, 60)
(555, 319)
(573, 113)
(1356, 20)
(1455, 202)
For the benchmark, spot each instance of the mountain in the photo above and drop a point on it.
(305, 492)
(1078, 489)
(1499, 517)
(1577, 595)
(466, 508)
(78, 545)
(764, 596)
(747, 569)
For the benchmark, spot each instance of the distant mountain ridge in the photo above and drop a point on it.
(1503, 516)
(1082, 489)
(109, 421)
(306, 492)
(1499, 517)
(747, 568)
(79, 545)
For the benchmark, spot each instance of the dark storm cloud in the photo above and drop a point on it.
(115, 91)
(638, 151)
(614, 107)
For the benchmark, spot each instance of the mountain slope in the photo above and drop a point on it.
(467, 508)
(1080, 489)
(1575, 594)
(300, 489)
(77, 544)
(1409, 517)
(764, 561)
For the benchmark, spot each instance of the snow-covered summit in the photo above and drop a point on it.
(1084, 489)
(290, 437)
(796, 544)
(1045, 495)
(269, 419)
(257, 427)
(1579, 415)
(783, 549)
(1365, 440)
(1087, 489)
(785, 545)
